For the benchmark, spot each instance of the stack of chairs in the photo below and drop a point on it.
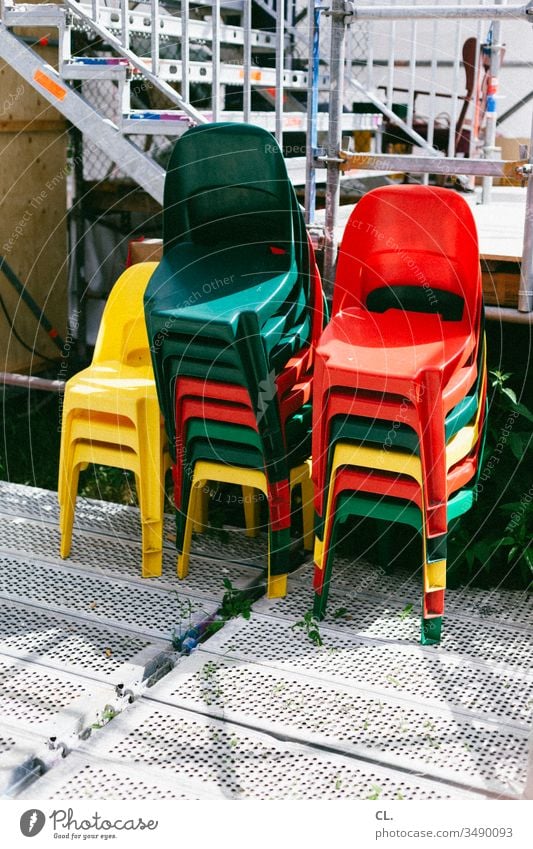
(399, 397)
(111, 416)
(233, 313)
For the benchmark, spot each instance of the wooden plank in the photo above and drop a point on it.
(33, 226)
(501, 281)
(19, 101)
(33, 238)
(32, 126)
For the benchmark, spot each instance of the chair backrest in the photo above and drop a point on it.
(227, 183)
(122, 336)
(413, 247)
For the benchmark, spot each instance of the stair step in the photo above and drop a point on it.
(166, 122)
(171, 26)
(155, 122)
(44, 15)
(91, 69)
(231, 74)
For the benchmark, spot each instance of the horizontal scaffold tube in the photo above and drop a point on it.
(395, 13)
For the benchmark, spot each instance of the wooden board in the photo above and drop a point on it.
(33, 238)
(33, 225)
(501, 281)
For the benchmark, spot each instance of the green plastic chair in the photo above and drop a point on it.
(219, 187)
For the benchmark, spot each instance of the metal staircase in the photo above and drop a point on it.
(179, 53)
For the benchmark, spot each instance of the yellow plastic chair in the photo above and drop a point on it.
(250, 480)
(111, 416)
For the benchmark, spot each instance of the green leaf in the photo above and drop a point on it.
(510, 506)
(524, 411)
(518, 445)
(510, 394)
(499, 376)
(512, 553)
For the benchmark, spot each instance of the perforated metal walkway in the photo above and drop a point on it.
(257, 711)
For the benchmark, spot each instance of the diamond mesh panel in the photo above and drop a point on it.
(103, 95)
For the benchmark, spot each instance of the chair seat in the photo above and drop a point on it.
(195, 283)
(385, 350)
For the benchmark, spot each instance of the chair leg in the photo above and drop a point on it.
(433, 453)
(434, 587)
(184, 556)
(308, 514)
(278, 553)
(69, 491)
(324, 555)
(385, 546)
(277, 586)
(431, 629)
(201, 512)
(251, 510)
(321, 595)
(151, 489)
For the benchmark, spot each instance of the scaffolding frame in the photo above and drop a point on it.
(344, 12)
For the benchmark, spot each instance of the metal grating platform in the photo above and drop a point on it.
(69, 644)
(438, 742)
(418, 673)
(119, 558)
(146, 610)
(477, 625)
(159, 744)
(49, 702)
(84, 777)
(258, 711)
(19, 760)
(73, 631)
(120, 521)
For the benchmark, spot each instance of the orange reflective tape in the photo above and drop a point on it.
(254, 75)
(50, 85)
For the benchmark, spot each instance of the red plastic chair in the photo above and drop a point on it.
(196, 398)
(416, 244)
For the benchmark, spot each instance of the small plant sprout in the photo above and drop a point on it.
(311, 627)
(375, 793)
(235, 602)
(406, 612)
(106, 716)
